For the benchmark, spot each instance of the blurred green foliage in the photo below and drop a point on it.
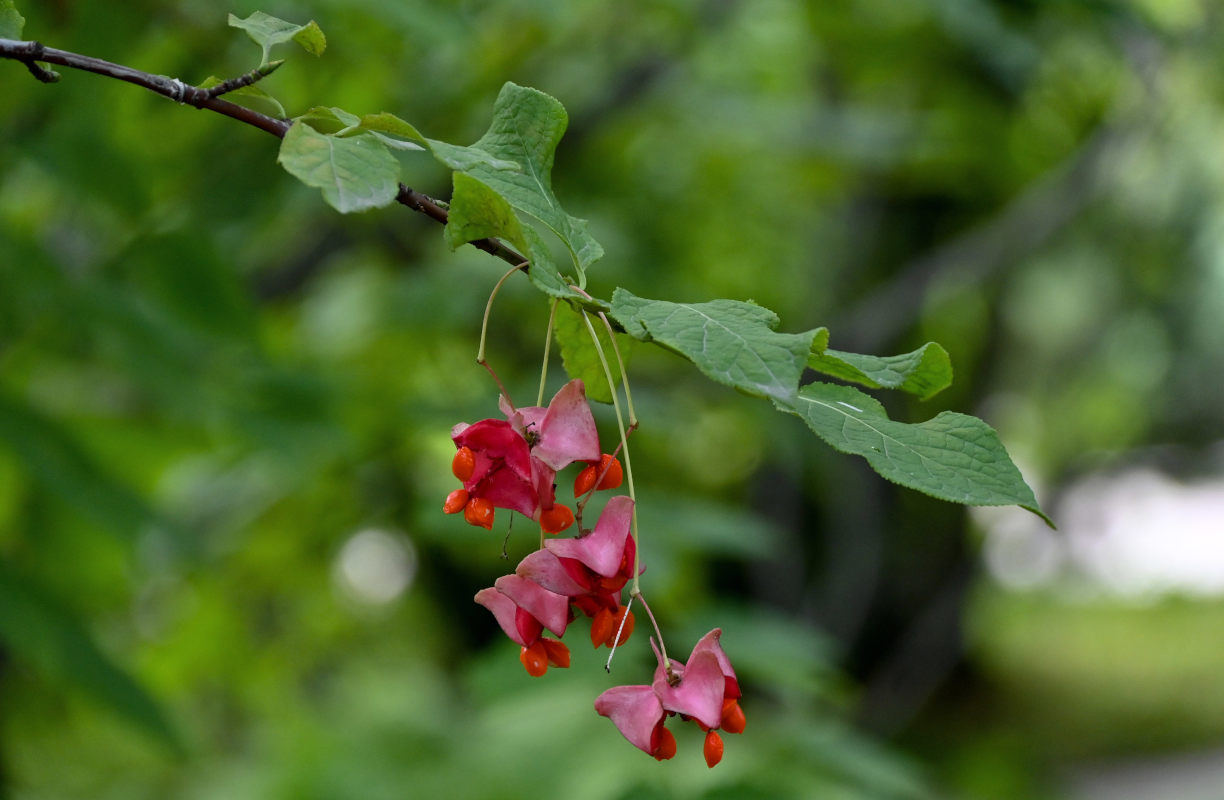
(210, 383)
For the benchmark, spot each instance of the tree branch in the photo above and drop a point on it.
(31, 52)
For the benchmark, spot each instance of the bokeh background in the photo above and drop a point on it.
(224, 408)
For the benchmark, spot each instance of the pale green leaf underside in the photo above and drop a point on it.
(44, 635)
(730, 341)
(924, 372)
(953, 456)
(579, 356)
(356, 173)
(11, 21)
(268, 31)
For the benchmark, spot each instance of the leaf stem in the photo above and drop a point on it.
(233, 84)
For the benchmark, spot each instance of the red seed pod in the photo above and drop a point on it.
(603, 627)
(733, 719)
(627, 615)
(556, 519)
(713, 749)
(464, 463)
(534, 658)
(558, 653)
(667, 745)
(609, 467)
(585, 481)
(479, 511)
(613, 474)
(455, 501)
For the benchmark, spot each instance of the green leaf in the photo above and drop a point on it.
(11, 22)
(268, 31)
(42, 633)
(732, 342)
(387, 127)
(356, 173)
(527, 125)
(330, 120)
(953, 456)
(256, 99)
(53, 458)
(579, 355)
(453, 156)
(819, 342)
(925, 372)
(544, 272)
(478, 212)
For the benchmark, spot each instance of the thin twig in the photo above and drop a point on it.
(30, 52)
(242, 81)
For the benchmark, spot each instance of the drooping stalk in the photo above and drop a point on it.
(552, 319)
(620, 364)
(658, 634)
(484, 330)
(620, 425)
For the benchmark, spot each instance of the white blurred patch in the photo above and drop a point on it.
(1021, 555)
(1136, 533)
(375, 567)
